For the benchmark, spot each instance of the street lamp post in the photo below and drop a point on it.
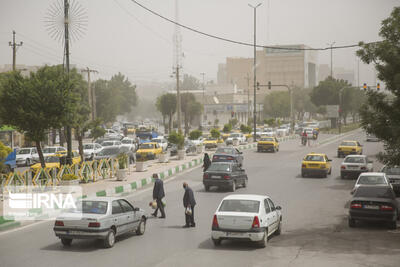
(331, 45)
(340, 108)
(254, 70)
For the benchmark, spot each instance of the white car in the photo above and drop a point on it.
(109, 143)
(162, 142)
(90, 150)
(236, 136)
(129, 143)
(49, 151)
(198, 141)
(112, 134)
(282, 131)
(354, 165)
(269, 132)
(25, 156)
(371, 178)
(246, 217)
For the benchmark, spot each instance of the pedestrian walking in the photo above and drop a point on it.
(158, 194)
(206, 162)
(189, 203)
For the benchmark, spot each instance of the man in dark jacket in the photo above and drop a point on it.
(189, 202)
(158, 194)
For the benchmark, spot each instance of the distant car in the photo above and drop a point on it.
(282, 131)
(113, 143)
(162, 142)
(371, 138)
(198, 141)
(371, 178)
(90, 150)
(49, 151)
(148, 151)
(393, 175)
(236, 136)
(268, 144)
(25, 156)
(374, 203)
(316, 164)
(102, 218)
(210, 142)
(189, 147)
(268, 132)
(108, 152)
(228, 154)
(349, 148)
(353, 165)
(224, 174)
(246, 217)
(112, 134)
(129, 143)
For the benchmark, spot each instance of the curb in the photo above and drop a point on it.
(8, 224)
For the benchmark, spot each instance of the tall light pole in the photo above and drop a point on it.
(331, 45)
(203, 74)
(254, 68)
(340, 109)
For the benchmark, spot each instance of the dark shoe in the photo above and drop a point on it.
(162, 217)
(193, 225)
(186, 226)
(154, 215)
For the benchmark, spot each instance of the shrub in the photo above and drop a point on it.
(227, 128)
(215, 133)
(122, 161)
(177, 138)
(194, 135)
(245, 129)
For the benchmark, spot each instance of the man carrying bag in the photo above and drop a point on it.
(189, 203)
(158, 194)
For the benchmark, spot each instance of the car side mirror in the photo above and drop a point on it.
(278, 207)
(136, 209)
(329, 160)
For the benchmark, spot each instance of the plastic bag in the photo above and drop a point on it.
(188, 211)
(153, 204)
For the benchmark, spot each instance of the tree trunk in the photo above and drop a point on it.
(170, 122)
(61, 135)
(186, 124)
(40, 152)
(53, 136)
(80, 142)
(163, 122)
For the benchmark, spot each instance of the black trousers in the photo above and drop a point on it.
(190, 218)
(160, 207)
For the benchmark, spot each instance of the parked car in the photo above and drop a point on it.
(282, 131)
(353, 165)
(227, 154)
(108, 152)
(101, 218)
(148, 151)
(10, 162)
(163, 143)
(224, 174)
(374, 203)
(316, 164)
(25, 156)
(268, 144)
(113, 143)
(371, 138)
(349, 148)
(54, 161)
(112, 134)
(129, 143)
(371, 178)
(246, 217)
(393, 175)
(90, 150)
(236, 136)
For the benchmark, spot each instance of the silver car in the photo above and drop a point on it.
(100, 218)
(353, 165)
(393, 174)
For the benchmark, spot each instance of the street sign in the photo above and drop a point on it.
(332, 111)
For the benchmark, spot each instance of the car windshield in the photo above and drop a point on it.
(314, 158)
(156, 140)
(211, 138)
(219, 167)
(354, 160)
(371, 179)
(348, 144)
(128, 142)
(88, 146)
(107, 143)
(374, 192)
(224, 150)
(392, 170)
(48, 150)
(24, 151)
(267, 139)
(52, 159)
(240, 205)
(93, 207)
(146, 146)
(109, 151)
(235, 135)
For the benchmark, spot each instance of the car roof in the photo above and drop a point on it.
(349, 141)
(102, 198)
(246, 197)
(356, 156)
(372, 174)
(316, 154)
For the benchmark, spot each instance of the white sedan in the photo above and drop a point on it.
(246, 217)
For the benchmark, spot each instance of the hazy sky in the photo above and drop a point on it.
(123, 37)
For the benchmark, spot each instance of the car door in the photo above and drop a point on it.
(268, 216)
(368, 162)
(235, 173)
(274, 214)
(118, 218)
(359, 148)
(131, 222)
(328, 163)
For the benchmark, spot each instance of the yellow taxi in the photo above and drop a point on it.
(55, 162)
(148, 151)
(130, 129)
(349, 148)
(267, 143)
(210, 142)
(316, 164)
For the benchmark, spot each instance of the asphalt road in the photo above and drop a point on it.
(315, 231)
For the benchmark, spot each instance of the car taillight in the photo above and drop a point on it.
(256, 222)
(59, 223)
(206, 176)
(215, 157)
(363, 168)
(94, 224)
(385, 207)
(215, 222)
(343, 167)
(226, 176)
(356, 206)
(230, 158)
(353, 149)
(303, 165)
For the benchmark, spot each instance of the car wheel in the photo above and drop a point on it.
(303, 174)
(92, 157)
(217, 242)
(233, 186)
(393, 225)
(325, 175)
(28, 162)
(207, 188)
(342, 176)
(338, 155)
(142, 227)
(352, 223)
(264, 241)
(330, 171)
(66, 241)
(110, 239)
(245, 183)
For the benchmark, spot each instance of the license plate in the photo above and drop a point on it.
(371, 207)
(75, 232)
(215, 176)
(234, 234)
(353, 167)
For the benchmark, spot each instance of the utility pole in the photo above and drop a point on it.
(177, 54)
(204, 103)
(248, 96)
(91, 95)
(254, 70)
(331, 45)
(178, 102)
(14, 49)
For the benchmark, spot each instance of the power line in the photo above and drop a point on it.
(240, 42)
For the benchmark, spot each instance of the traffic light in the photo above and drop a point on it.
(378, 86)
(232, 114)
(258, 86)
(365, 86)
(269, 85)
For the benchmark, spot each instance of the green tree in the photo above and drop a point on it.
(380, 114)
(215, 133)
(194, 135)
(227, 128)
(190, 109)
(277, 104)
(233, 122)
(176, 138)
(38, 103)
(166, 104)
(189, 83)
(245, 129)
